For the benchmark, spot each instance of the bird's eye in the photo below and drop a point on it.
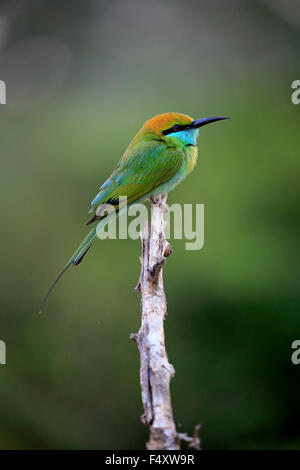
(176, 127)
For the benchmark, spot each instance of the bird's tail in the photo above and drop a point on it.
(75, 259)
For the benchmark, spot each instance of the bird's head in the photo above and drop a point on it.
(176, 128)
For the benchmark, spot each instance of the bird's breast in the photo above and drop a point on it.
(191, 153)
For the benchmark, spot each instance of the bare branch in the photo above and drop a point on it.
(193, 441)
(155, 369)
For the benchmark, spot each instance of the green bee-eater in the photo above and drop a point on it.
(159, 157)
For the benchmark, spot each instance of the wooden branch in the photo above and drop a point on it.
(156, 371)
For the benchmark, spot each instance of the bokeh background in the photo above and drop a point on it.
(82, 77)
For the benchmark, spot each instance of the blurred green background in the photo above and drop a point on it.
(82, 77)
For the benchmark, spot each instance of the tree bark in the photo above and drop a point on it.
(155, 371)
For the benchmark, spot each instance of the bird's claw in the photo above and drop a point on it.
(162, 205)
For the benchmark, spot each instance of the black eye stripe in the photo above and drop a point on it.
(175, 128)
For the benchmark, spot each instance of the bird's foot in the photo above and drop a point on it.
(162, 205)
(154, 200)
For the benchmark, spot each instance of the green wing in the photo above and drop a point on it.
(141, 169)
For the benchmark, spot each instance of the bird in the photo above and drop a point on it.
(159, 157)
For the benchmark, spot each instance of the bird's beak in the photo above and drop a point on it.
(202, 122)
